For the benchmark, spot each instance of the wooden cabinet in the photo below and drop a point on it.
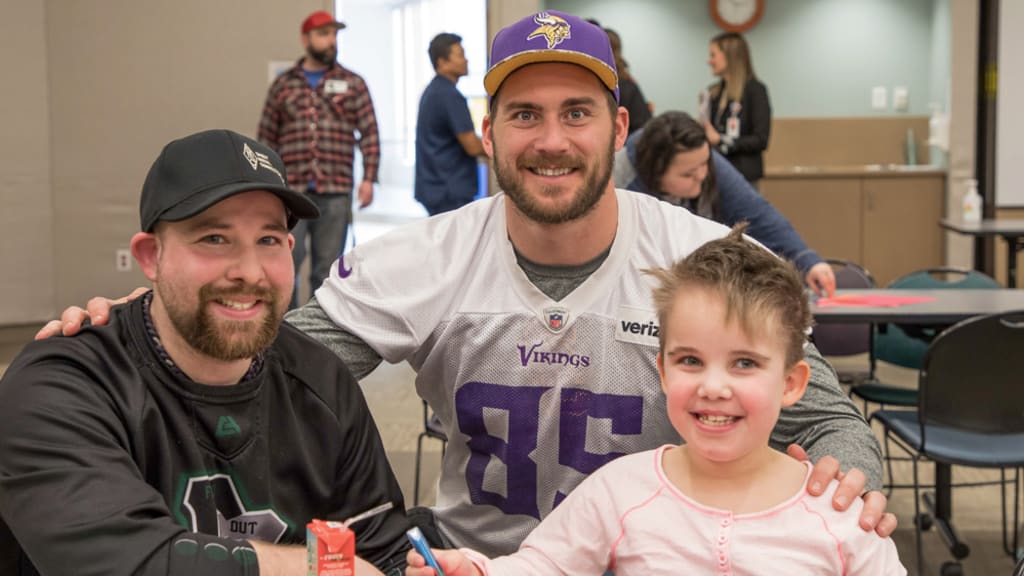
(888, 224)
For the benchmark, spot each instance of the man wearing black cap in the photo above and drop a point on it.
(189, 435)
(311, 117)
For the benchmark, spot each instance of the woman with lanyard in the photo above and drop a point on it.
(737, 113)
(669, 158)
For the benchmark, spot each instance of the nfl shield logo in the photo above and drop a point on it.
(556, 318)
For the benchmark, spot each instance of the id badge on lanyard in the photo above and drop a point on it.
(732, 124)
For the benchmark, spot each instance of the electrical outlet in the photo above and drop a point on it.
(123, 260)
(879, 98)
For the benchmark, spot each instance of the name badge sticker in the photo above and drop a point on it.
(637, 326)
(336, 86)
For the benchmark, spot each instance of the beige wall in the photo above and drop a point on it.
(501, 13)
(866, 140)
(26, 248)
(126, 77)
(962, 110)
(102, 87)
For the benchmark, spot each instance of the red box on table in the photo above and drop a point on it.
(330, 549)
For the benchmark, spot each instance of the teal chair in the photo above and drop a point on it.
(905, 345)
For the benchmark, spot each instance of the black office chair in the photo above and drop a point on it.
(969, 413)
(839, 340)
(431, 429)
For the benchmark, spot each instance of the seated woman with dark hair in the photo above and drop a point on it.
(670, 158)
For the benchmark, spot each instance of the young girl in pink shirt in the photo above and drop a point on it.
(733, 321)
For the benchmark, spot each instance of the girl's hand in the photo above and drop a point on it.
(453, 562)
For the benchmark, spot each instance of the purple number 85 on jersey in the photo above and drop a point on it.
(522, 405)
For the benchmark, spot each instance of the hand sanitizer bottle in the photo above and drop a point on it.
(911, 148)
(970, 208)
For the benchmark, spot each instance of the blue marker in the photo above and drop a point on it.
(419, 543)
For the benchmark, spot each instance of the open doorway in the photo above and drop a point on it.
(386, 43)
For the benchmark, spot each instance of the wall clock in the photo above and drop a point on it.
(736, 15)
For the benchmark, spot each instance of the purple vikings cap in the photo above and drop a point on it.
(551, 36)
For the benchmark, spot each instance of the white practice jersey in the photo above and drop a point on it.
(534, 394)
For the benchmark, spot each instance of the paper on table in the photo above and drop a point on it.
(875, 300)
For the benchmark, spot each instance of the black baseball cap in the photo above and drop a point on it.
(195, 172)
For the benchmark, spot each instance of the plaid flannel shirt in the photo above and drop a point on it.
(314, 131)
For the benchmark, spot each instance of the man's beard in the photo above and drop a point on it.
(213, 337)
(586, 197)
(325, 57)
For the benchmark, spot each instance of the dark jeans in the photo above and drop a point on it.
(326, 235)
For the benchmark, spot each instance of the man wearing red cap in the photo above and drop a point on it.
(312, 114)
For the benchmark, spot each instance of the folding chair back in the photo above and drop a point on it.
(972, 378)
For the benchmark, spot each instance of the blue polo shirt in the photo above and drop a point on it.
(445, 174)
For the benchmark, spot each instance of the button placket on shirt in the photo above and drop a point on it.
(314, 144)
(722, 546)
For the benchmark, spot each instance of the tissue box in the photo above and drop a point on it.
(330, 549)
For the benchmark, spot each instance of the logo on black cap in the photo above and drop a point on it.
(258, 160)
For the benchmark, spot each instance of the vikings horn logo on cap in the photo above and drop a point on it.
(551, 36)
(553, 28)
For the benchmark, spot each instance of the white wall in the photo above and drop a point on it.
(1009, 111)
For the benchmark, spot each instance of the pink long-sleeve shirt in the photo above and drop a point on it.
(629, 518)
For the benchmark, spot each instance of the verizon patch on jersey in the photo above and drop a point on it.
(637, 326)
(330, 549)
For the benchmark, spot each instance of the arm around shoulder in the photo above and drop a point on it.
(826, 423)
(360, 358)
